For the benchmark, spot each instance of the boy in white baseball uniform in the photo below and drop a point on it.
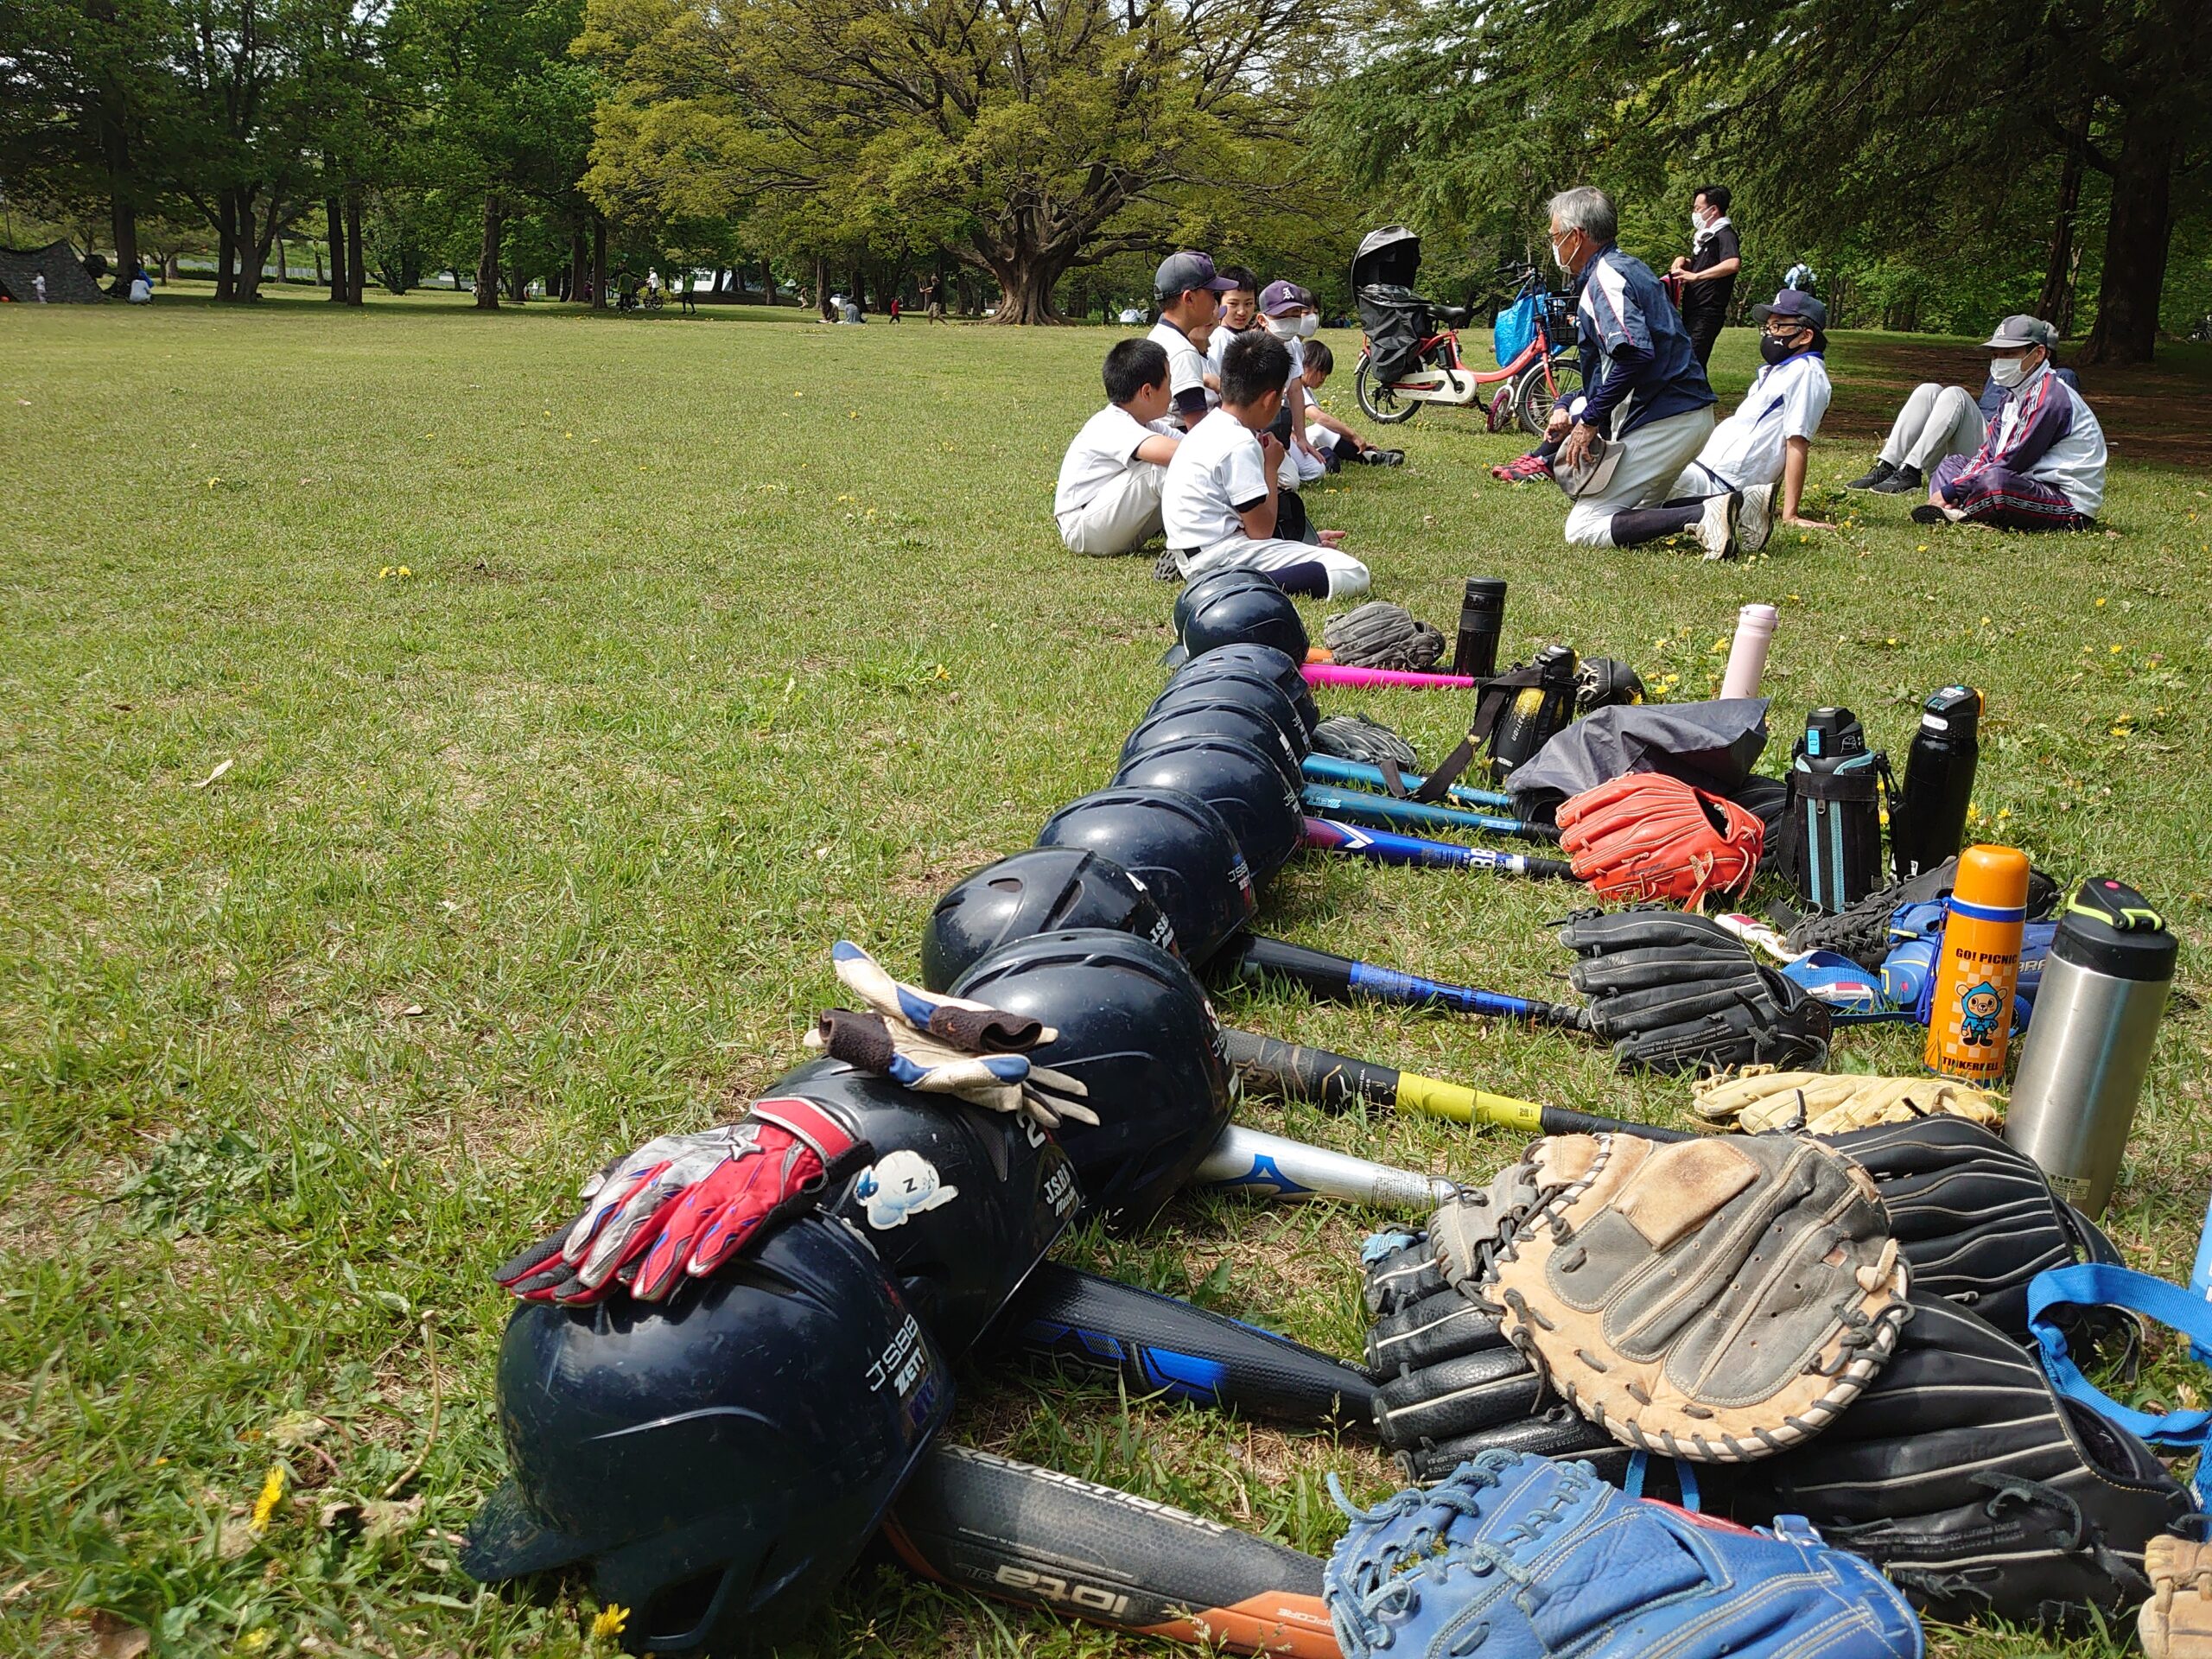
(1220, 505)
(1188, 293)
(1107, 501)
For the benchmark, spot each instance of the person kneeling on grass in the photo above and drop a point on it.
(2042, 465)
(1725, 497)
(1220, 506)
(1107, 501)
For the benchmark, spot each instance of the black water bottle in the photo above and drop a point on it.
(1536, 711)
(1482, 616)
(1929, 823)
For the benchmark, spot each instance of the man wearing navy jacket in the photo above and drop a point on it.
(1647, 397)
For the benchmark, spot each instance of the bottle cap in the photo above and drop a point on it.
(1758, 616)
(1991, 878)
(1485, 594)
(2109, 928)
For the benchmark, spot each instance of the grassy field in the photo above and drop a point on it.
(439, 749)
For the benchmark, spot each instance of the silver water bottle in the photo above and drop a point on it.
(2083, 1062)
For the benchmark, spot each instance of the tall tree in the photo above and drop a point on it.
(1031, 136)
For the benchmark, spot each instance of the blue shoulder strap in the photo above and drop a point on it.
(2097, 1284)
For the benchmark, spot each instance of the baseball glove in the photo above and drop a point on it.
(1379, 634)
(1519, 1557)
(2176, 1622)
(1978, 1491)
(1647, 836)
(1713, 1300)
(1862, 932)
(1759, 1098)
(1354, 737)
(1974, 1220)
(1603, 681)
(1675, 992)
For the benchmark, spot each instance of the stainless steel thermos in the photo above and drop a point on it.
(2084, 1059)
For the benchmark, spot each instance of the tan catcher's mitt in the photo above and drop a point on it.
(2176, 1622)
(1710, 1299)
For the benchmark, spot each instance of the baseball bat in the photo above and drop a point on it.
(1160, 1345)
(1331, 769)
(1337, 1082)
(1385, 810)
(1332, 978)
(1253, 1163)
(1325, 835)
(1343, 674)
(1040, 1539)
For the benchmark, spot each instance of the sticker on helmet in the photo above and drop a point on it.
(900, 1184)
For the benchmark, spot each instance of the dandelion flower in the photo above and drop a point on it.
(608, 1623)
(272, 1494)
(2101, 604)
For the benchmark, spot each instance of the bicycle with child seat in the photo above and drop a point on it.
(1537, 377)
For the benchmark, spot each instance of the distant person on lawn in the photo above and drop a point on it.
(1725, 497)
(1937, 422)
(1189, 291)
(1647, 394)
(1707, 272)
(1220, 503)
(1107, 501)
(2042, 466)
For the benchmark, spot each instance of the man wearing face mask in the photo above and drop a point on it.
(1936, 421)
(1647, 394)
(2042, 466)
(1707, 272)
(1725, 497)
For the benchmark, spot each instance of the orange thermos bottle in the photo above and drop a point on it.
(1978, 965)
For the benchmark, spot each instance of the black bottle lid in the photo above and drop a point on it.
(2109, 928)
(1954, 712)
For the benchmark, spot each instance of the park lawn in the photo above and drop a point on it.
(574, 681)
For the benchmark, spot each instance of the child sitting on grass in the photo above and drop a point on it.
(1107, 501)
(1220, 506)
(1329, 437)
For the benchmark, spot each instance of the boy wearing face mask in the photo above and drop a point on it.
(1725, 497)
(1287, 314)
(1707, 272)
(2042, 466)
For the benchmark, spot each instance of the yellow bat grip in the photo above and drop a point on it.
(1463, 1105)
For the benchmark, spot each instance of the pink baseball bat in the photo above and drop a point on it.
(1339, 674)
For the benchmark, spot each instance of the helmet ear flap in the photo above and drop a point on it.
(1175, 844)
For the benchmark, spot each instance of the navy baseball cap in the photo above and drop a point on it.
(2019, 334)
(1280, 297)
(1180, 272)
(1794, 302)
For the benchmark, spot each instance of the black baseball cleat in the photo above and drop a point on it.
(1929, 513)
(1904, 481)
(1382, 457)
(1881, 474)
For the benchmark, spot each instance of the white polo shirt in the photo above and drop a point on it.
(1218, 470)
(1101, 452)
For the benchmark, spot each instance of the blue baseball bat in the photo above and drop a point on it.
(1325, 835)
(1386, 810)
(1328, 769)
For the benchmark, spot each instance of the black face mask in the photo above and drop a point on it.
(1773, 351)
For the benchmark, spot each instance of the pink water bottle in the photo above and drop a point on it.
(1747, 654)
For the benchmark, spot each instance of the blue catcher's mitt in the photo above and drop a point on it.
(1517, 1557)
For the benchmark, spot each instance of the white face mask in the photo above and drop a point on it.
(1283, 327)
(2008, 371)
(1697, 222)
(1309, 324)
(1559, 258)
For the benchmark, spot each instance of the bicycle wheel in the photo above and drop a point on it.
(1534, 400)
(1381, 403)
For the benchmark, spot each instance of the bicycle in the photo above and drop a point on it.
(1529, 385)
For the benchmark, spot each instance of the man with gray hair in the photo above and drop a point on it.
(1647, 397)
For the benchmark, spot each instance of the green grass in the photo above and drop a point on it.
(724, 639)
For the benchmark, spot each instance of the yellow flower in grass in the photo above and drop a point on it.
(608, 1623)
(272, 1494)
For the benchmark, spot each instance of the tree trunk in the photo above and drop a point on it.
(254, 249)
(518, 283)
(171, 272)
(963, 287)
(315, 245)
(357, 253)
(1026, 285)
(334, 227)
(598, 262)
(856, 286)
(226, 245)
(821, 289)
(579, 262)
(487, 257)
(2137, 230)
(767, 284)
(284, 268)
(2055, 305)
(122, 220)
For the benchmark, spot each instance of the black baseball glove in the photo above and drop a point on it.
(1674, 992)
(1382, 635)
(1354, 737)
(1862, 931)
